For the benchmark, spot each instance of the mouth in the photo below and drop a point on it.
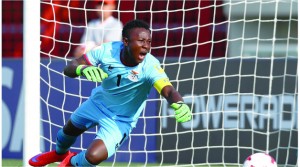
(142, 55)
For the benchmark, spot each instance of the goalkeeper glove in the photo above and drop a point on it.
(91, 73)
(182, 112)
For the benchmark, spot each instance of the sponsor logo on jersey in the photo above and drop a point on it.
(110, 68)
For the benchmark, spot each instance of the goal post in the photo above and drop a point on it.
(234, 63)
(31, 79)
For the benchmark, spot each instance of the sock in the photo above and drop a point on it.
(80, 160)
(64, 142)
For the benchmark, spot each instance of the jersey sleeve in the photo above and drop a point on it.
(94, 57)
(161, 83)
(158, 77)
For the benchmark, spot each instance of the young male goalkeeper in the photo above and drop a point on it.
(127, 72)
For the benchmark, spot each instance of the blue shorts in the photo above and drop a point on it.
(112, 132)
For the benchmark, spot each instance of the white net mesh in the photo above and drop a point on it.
(235, 63)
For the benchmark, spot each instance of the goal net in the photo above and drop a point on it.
(235, 63)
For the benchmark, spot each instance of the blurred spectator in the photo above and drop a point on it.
(104, 29)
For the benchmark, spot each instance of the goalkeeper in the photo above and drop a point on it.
(127, 72)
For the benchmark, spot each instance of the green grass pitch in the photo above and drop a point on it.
(19, 163)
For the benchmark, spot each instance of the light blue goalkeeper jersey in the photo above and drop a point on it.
(122, 95)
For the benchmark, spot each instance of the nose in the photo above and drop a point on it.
(146, 45)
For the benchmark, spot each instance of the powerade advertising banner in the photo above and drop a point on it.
(237, 105)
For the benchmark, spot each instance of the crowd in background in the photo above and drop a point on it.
(186, 32)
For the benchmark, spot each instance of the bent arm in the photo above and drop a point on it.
(182, 111)
(70, 69)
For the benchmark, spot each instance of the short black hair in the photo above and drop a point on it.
(134, 24)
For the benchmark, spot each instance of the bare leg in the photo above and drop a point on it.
(66, 137)
(71, 130)
(97, 152)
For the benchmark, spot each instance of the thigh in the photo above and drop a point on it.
(86, 115)
(113, 133)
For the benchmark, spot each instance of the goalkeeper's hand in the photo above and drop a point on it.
(91, 73)
(182, 112)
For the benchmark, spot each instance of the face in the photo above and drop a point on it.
(137, 46)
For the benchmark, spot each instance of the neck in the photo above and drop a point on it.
(125, 59)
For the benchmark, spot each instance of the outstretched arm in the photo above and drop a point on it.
(171, 95)
(182, 111)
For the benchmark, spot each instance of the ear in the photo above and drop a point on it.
(125, 41)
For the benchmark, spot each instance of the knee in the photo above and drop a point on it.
(95, 157)
(71, 130)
